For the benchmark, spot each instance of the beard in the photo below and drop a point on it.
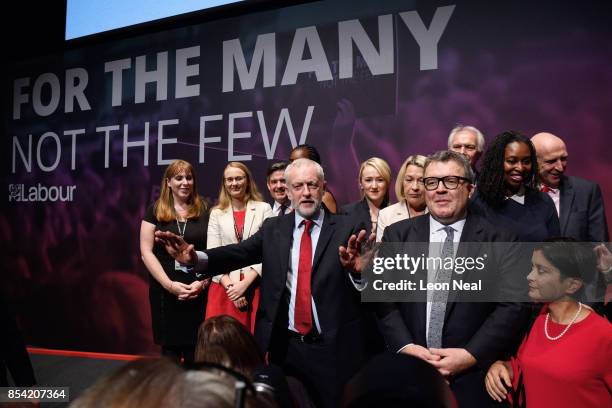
(308, 211)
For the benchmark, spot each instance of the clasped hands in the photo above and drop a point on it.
(184, 253)
(184, 291)
(448, 361)
(235, 291)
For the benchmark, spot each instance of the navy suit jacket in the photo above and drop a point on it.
(488, 330)
(582, 213)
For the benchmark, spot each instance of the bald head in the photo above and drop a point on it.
(552, 158)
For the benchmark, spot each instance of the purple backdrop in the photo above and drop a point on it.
(73, 268)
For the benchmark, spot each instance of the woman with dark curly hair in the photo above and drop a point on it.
(506, 193)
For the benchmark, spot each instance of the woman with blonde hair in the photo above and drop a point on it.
(410, 194)
(374, 180)
(239, 214)
(177, 303)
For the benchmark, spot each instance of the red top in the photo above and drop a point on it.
(239, 223)
(573, 371)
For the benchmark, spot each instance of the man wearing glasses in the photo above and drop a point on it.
(460, 339)
(309, 317)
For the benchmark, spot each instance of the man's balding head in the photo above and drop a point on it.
(552, 158)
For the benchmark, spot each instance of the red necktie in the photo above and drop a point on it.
(303, 312)
(544, 188)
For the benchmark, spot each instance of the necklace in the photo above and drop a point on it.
(178, 226)
(566, 328)
(181, 233)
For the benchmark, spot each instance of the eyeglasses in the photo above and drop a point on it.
(242, 384)
(450, 182)
(238, 179)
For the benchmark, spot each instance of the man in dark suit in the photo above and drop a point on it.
(579, 202)
(277, 187)
(460, 338)
(309, 318)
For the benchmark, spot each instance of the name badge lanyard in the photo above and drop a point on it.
(177, 265)
(178, 226)
(237, 232)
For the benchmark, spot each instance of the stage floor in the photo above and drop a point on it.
(73, 369)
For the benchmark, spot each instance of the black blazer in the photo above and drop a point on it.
(336, 298)
(359, 211)
(489, 331)
(582, 212)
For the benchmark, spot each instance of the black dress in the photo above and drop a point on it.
(175, 323)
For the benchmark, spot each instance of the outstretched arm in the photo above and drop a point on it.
(177, 247)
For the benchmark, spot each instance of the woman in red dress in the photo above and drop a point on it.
(238, 215)
(564, 360)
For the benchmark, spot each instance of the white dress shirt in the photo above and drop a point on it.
(276, 209)
(437, 235)
(555, 194)
(292, 276)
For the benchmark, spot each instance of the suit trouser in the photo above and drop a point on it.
(470, 392)
(316, 365)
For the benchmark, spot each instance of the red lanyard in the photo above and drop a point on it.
(237, 232)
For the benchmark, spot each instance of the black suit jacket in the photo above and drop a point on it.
(582, 213)
(359, 211)
(488, 330)
(336, 299)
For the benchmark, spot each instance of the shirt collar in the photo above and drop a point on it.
(552, 190)
(277, 205)
(519, 197)
(318, 220)
(435, 226)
